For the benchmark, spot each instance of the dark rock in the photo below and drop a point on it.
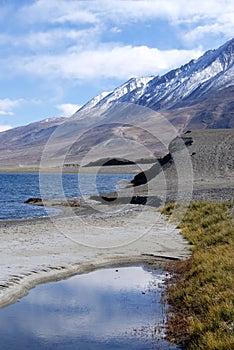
(139, 200)
(34, 200)
(110, 162)
(145, 176)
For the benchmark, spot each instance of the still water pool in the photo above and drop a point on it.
(106, 309)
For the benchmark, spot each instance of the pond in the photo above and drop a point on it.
(106, 309)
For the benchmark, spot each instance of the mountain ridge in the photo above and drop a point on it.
(157, 92)
(198, 95)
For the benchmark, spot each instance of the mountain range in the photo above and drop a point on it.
(136, 120)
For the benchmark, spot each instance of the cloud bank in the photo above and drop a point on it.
(72, 44)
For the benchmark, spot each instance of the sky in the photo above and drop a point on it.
(58, 54)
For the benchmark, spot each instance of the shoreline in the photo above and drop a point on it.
(83, 170)
(34, 278)
(35, 251)
(43, 249)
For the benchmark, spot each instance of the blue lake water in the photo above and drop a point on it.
(106, 309)
(16, 188)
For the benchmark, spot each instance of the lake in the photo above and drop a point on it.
(107, 309)
(16, 188)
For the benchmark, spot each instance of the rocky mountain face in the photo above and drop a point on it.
(32, 134)
(180, 87)
(130, 92)
(148, 111)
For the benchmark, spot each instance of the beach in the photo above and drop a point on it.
(82, 239)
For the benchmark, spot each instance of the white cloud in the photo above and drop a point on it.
(7, 105)
(223, 25)
(59, 11)
(115, 30)
(123, 11)
(56, 39)
(3, 112)
(187, 17)
(60, 38)
(80, 17)
(92, 11)
(5, 127)
(193, 21)
(77, 53)
(68, 109)
(121, 62)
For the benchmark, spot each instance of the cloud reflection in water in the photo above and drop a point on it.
(100, 310)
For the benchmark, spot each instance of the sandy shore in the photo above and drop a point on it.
(84, 239)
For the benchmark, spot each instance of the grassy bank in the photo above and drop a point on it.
(201, 291)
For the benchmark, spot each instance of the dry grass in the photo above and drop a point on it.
(201, 291)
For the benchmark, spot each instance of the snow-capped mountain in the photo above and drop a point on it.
(131, 91)
(213, 70)
(94, 102)
(198, 95)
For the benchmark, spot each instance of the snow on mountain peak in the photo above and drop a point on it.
(169, 90)
(92, 103)
(134, 87)
(166, 91)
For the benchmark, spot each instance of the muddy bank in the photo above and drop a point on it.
(80, 240)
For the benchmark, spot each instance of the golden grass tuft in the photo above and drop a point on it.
(201, 291)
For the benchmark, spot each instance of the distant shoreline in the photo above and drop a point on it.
(116, 169)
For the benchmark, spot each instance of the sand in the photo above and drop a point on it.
(80, 240)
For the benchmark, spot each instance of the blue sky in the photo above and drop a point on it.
(58, 54)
